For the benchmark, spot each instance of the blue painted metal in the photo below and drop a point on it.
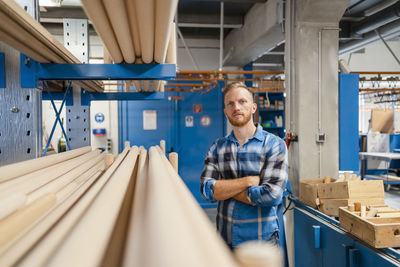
(28, 70)
(58, 112)
(248, 66)
(106, 71)
(191, 143)
(337, 247)
(317, 236)
(348, 122)
(2, 71)
(353, 257)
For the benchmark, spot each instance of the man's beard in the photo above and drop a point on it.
(240, 123)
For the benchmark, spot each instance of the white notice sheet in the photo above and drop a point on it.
(149, 120)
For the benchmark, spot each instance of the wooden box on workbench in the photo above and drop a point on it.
(341, 194)
(379, 232)
(354, 189)
(330, 206)
(308, 191)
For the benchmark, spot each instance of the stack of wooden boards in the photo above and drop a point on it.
(329, 194)
(135, 31)
(378, 225)
(20, 31)
(80, 208)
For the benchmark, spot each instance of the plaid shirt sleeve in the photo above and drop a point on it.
(210, 174)
(273, 177)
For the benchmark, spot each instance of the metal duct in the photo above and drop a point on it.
(388, 31)
(378, 20)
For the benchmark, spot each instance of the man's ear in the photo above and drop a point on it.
(254, 108)
(225, 111)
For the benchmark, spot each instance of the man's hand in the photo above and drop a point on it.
(224, 189)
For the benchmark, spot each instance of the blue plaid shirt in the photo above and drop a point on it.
(265, 155)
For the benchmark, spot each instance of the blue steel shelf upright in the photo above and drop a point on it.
(271, 112)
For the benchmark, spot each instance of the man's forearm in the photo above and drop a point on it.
(224, 189)
(242, 197)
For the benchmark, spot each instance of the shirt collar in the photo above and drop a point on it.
(257, 135)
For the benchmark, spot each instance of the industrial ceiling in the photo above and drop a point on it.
(362, 23)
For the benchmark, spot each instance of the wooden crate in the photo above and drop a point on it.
(308, 191)
(359, 189)
(379, 232)
(330, 206)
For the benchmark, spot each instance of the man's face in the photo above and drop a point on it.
(239, 106)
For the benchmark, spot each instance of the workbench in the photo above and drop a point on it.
(320, 241)
(387, 157)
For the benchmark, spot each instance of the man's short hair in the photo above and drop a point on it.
(235, 85)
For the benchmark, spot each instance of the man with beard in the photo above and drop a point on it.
(246, 172)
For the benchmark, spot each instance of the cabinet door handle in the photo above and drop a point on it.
(317, 236)
(347, 248)
(353, 257)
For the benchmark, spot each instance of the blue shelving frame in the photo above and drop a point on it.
(33, 72)
(269, 114)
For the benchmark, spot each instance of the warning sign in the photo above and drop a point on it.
(205, 121)
(197, 108)
(189, 121)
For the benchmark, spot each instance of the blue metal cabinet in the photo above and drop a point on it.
(188, 126)
(332, 246)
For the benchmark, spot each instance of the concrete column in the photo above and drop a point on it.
(312, 86)
(311, 77)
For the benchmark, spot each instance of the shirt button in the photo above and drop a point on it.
(234, 224)
(236, 209)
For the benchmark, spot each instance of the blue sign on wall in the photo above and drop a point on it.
(99, 117)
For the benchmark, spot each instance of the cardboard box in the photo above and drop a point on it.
(382, 120)
(379, 232)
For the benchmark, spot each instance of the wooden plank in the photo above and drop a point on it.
(10, 255)
(164, 16)
(93, 238)
(10, 203)
(12, 225)
(30, 182)
(11, 171)
(136, 236)
(207, 241)
(42, 252)
(56, 185)
(173, 159)
(97, 14)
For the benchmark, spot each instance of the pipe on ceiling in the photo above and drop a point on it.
(379, 7)
(378, 20)
(388, 31)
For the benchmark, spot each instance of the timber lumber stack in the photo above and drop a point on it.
(135, 31)
(20, 31)
(82, 208)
